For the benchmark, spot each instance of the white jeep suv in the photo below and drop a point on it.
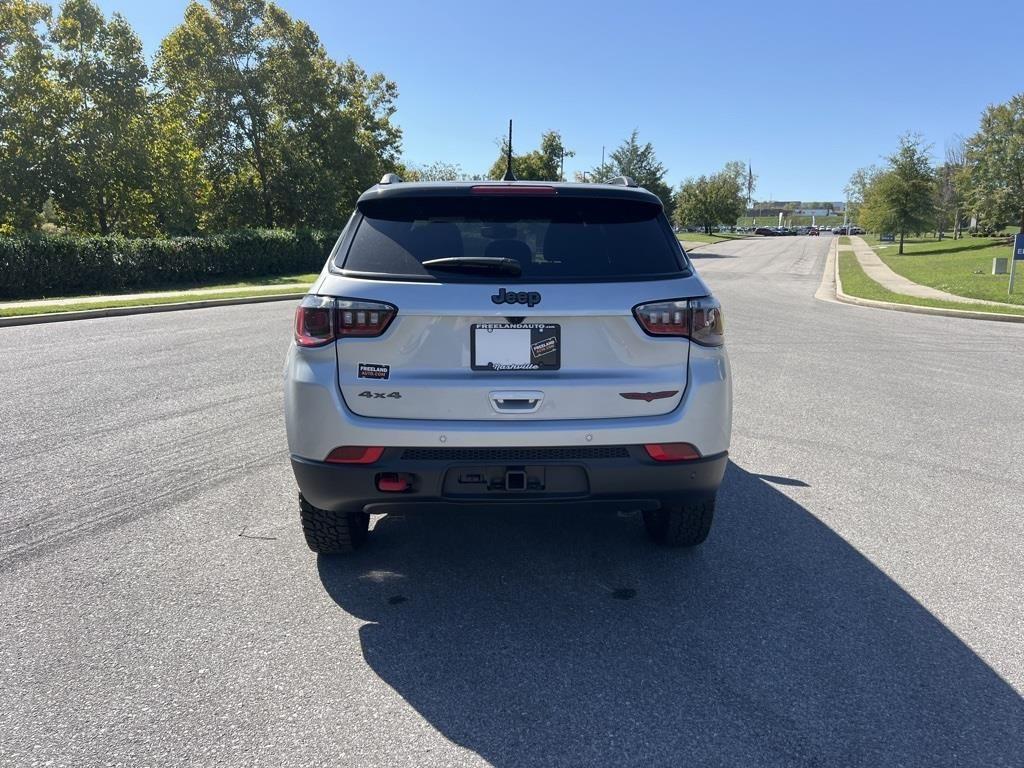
(507, 343)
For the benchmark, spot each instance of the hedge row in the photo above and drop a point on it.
(38, 266)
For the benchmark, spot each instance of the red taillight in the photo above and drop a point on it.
(533, 190)
(354, 454)
(707, 326)
(322, 319)
(314, 321)
(363, 318)
(697, 319)
(664, 318)
(672, 451)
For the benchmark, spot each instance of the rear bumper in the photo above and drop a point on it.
(631, 480)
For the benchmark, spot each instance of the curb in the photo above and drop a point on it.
(142, 309)
(966, 314)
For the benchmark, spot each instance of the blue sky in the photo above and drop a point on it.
(807, 92)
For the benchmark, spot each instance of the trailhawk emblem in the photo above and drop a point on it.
(649, 397)
(516, 297)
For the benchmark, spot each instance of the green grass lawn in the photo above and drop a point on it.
(963, 267)
(717, 237)
(244, 289)
(857, 283)
(254, 282)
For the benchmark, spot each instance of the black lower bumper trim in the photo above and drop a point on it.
(632, 482)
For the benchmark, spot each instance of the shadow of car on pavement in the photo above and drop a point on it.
(567, 639)
(704, 253)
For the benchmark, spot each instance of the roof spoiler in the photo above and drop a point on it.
(623, 181)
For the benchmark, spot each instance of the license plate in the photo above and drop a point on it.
(522, 347)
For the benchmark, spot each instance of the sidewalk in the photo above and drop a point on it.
(879, 271)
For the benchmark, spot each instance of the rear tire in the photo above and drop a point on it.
(680, 524)
(329, 532)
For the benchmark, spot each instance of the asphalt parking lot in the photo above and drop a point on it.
(859, 601)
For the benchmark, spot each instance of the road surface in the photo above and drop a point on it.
(859, 601)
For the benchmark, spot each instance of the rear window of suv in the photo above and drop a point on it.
(556, 239)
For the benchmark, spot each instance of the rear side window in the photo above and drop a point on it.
(553, 239)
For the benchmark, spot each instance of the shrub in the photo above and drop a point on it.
(45, 265)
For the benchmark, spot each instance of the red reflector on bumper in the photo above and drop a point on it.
(392, 482)
(672, 451)
(354, 454)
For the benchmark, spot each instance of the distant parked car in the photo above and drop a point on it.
(839, 231)
(856, 231)
(766, 231)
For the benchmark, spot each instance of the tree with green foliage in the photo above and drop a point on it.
(436, 171)
(708, 201)
(695, 204)
(27, 104)
(180, 189)
(542, 164)
(951, 181)
(750, 184)
(856, 188)
(640, 163)
(101, 182)
(288, 136)
(995, 155)
(900, 198)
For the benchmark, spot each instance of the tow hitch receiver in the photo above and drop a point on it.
(515, 480)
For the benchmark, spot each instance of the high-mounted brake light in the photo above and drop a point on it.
(354, 454)
(320, 320)
(699, 320)
(533, 190)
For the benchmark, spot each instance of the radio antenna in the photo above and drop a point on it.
(509, 173)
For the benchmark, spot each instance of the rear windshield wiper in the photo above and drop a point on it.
(476, 264)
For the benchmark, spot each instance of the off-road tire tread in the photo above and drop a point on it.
(330, 532)
(680, 525)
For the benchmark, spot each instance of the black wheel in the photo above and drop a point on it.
(680, 524)
(330, 532)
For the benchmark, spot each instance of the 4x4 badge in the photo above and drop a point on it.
(529, 298)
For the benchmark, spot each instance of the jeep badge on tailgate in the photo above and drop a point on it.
(516, 297)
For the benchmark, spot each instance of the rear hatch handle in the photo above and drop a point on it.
(516, 400)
